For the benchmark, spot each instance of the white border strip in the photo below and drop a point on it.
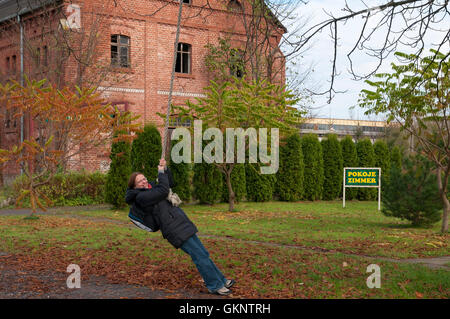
(127, 90)
(181, 94)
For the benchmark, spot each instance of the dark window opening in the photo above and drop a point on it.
(45, 58)
(234, 6)
(120, 51)
(183, 63)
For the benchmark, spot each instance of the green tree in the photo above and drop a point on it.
(413, 194)
(382, 157)
(366, 158)
(332, 167)
(118, 174)
(146, 152)
(313, 174)
(246, 105)
(289, 186)
(350, 159)
(417, 96)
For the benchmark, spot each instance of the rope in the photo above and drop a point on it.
(175, 49)
(172, 197)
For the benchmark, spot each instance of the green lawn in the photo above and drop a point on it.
(359, 228)
(102, 244)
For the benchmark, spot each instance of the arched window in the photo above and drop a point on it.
(234, 6)
(120, 51)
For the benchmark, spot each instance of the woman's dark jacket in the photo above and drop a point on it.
(152, 206)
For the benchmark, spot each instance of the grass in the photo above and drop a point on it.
(359, 228)
(102, 244)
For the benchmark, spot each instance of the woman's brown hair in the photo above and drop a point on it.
(132, 180)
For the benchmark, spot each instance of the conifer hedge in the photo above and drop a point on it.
(146, 152)
(332, 167)
(289, 186)
(208, 183)
(382, 158)
(181, 173)
(350, 159)
(260, 187)
(313, 174)
(118, 174)
(396, 157)
(366, 158)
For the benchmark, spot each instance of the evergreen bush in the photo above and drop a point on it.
(350, 159)
(382, 158)
(260, 187)
(208, 183)
(118, 174)
(289, 186)
(412, 194)
(366, 158)
(332, 167)
(146, 152)
(313, 174)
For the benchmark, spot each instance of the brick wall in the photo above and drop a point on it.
(142, 88)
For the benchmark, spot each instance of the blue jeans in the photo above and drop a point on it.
(212, 276)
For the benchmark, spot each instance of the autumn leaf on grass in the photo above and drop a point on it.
(419, 295)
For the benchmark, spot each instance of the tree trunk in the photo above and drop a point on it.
(445, 202)
(231, 195)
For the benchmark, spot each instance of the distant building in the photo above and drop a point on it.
(357, 129)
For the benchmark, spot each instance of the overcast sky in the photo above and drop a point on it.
(320, 55)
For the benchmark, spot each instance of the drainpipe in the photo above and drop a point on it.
(21, 77)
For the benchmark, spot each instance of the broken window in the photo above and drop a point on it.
(120, 51)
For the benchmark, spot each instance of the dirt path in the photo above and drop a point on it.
(18, 282)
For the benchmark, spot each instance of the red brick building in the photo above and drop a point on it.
(125, 48)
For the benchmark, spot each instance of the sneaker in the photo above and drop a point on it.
(229, 283)
(224, 291)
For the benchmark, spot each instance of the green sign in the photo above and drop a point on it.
(362, 177)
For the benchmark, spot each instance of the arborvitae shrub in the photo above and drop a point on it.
(366, 158)
(260, 187)
(118, 174)
(146, 152)
(289, 186)
(332, 167)
(207, 181)
(313, 174)
(181, 173)
(412, 194)
(350, 159)
(396, 157)
(382, 157)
